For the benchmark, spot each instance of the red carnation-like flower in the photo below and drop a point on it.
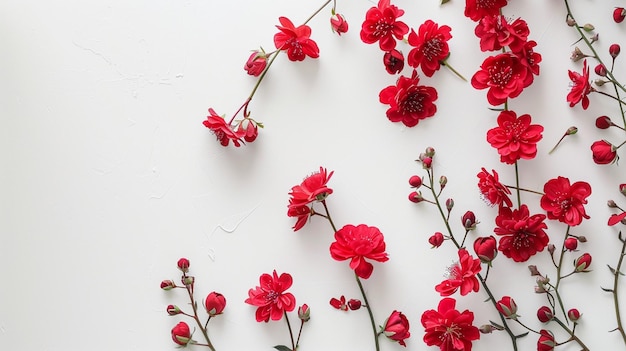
(222, 130)
(430, 47)
(409, 102)
(523, 235)
(495, 33)
(357, 244)
(564, 202)
(504, 75)
(461, 275)
(492, 191)
(313, 188)
(381, 25)
(270, 297)
(580, 87)
(531, 59)
(296, 40)
(477, 9)
(448, 328)
(515, 137)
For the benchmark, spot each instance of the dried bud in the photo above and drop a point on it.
(603, 122)
(183, 265)
(187, 280)
(436, 239)
(573, 315)
(577, 55)
(450, 204)
(622, 189)
(540, 289)
(415, 181)
(443, 180)
(167, 285)
(416, 197)
(582, 238)
(600, 70)
(541, 280)
(599, 82)
(304, 313)
(533, 270)
(430, 152)
(354, 304)
(588, 27)
(469, 220)
(614, 50)
(551, 249)
(486, 328)
(611, 204)
(594, 38)
(619, 14)
(571, 243)
(544, 314)
(173, 310)
(570, 21)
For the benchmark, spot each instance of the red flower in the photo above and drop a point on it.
(338, 24)
(394, 61)
(613, 220)
(340, 303)
(507, 307)
(302, 212)
(492, 191)
(381, 25)
(580, 87)
(409, 102)
(603, 152)
(564, 202)
(183, 265)
(448, 328)
(313, 188)
(215, 303)
(546, 341)
(430, 47)
(256, 63)
(222, 131)
(496, 33)
(270, 297)
(529, 58)
(486, 248)
(619, 14)
(397, 327)
(436, 239)
(514, 137)
(582, 263)
(544, 314)
(477, 9)
(296, 40)
(504, 75)
(357, 244)
(461, 275)
(181, 333)
(522, 235)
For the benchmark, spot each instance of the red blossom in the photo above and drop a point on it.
(486, 248)
(296, 40)
(313, 188)
(504, 75)
(477, 9)
(514, 137)
(448, 328)
(358, 243)
(256, 63)
(397, 327)
(546, 341)
(222, 130)
(495, 33)
(522, 235)
(302, 212)
(339, 303)
(181, 334)
(338, 24)
(530, 59)
(394, 61)
(603, 152)
(461, 275)
(430, 47)
(491, 190)
(564, 202)
(270, 297)
(409, 102)
(381, 25)
(580, 87)
(616, 218)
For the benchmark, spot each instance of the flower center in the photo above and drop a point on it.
(271, 296)
(485, 4)
(432, 49)
(500, 74)
(381, 28)
(452, 330)
(413, 103)
(521, 240)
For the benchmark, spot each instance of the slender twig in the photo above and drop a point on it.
(616, 274)
(369, 311)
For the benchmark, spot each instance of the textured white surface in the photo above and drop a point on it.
(108, 175)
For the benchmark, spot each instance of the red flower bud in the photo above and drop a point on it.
(430, 151)
(249, 129)
(600, 70)
(394, 61)
(256, 63)
(173, 310)
(507, 307)
(214, 303)
(427, 162)
(416, 197)
(573, 315)
(443, 180)
(183, 265)
(603, 152)
(354, 304)
(614, 50)
(449, 204)
(546, 341)
(469, 220)
(338, 23)
(167, 285)
(582, 263)
(181, 334)
(397, 327)
(622, 189)
(619, 14)
(436, 240)
(571, 243)
(415, 181)
(486, 248)
(603, 122)
(304, 313)
(544, 314)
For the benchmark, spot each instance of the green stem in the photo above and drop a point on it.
(571, 334)
(558, 272)
(195, 316)
(445, 63)
(299, 333)
(517, 187)
(330, 220)
(293, 344)
(616, 275)
(524, 189)
(317, 11)
(610, 96)
(369, 311)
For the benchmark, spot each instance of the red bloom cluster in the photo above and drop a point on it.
(514, 137)
(357, 243)
(564, 201)
(270, 297)
(461, 275)
(495, 33)
(408, 101)
(313, 188)
(522, 235)
(448, 328)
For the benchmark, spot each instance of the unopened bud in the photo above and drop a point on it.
(304, 313)
(614, 50)
(173, 310)
(619, 14)
(416, 197)
(603, 122)
(570, 21)
(582, 238)
(551, 249)
(450, 204)
(577, 55)
(167, 285)
(622, 189)
(571, 243)
(430, 152)
(600, 70)
(594, 38)
(611, 204)
(599, 82)
(469, 220)
(571, 130)
(427, 162)
(588, 27)
(183, 265)
(486, 328)
(415, 181)
(443, 180)
(573, 315)
(187, 280)
(354, 304)
(533, 270)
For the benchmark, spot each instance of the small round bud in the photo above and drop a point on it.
(533, 270)
(183, 265)
(600, 70)
(599, 82)
(215, 304)
(449, 204)
(571, 243)
(571, 130)
(582, 238)
(544, 314)
(304, 313)
(416, 197)
(619, 14)
(427, 162)
(570, 21)
(354, 304)
(614, 50)
(430, 152)
(187, 280)
(573, 315)
(486, 328)
(173, 310)
(469, 220)
(603, 122)
(436, 240)
(582, 263)
(167, 285)
(415, 181)
(622, 189)
(443, 180)
(611, 204)
(551, 249)
(588, 27)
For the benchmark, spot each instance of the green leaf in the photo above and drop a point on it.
(282, 348)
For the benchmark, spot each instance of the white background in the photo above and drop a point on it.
(108, 176)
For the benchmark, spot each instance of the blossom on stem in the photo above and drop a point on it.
(295, 40)
(430, 47)
(409, 102)
(495, 33)
(339, 303)
(256, 63)
(313, 188)
(486, 248)
(381, 25)
(507, 307)
(514, 137)
(358, 243)
(461, 274)
(338, 23)
(270, 297)
(564, 201)
(215, 303)
(522, 235)
(492, 191)
(397, 327)
(181, 334)
(546, 341)
(582, 263)
(581, 87)
(448, 328)
(436, 239)
(544, 314)
(223, 131)
(504, 75)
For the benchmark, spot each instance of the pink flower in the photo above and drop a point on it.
(514, 137)
(313, 188)
(381, 25)
(564, 202)
(461, 275)
(296, 40)
(181, 333)
(256, 63)
(580, 87)
(222, 131)
(448, 328)
(270, 297)
(397, 327)
(357, 244)
(491, 190)
(338, 24)
(430, 47)
(603, 152)
(522, 235)
(504, 75)
(409, 102)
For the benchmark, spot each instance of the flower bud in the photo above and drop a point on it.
(443, 180)
(614, 50)
(449, 204)
(533, 270)
(603, 152)
(507, 307)
(571, 243)
(415, 181)
(173, 310)
(570, 21)
(573, 315)
(582, 263)
(546, 341)
(187, 280)
(582, 238)
(338, 23)
(354, 304)
(416, 197)
(486, 329)
(469, 220)
(427, 162)
(544, 314)
(436, 240)
(256, 63)
(430, 152)
(571, 130)
(249, 129)
(486, 248)
(214, 304)
(167, 285)
(181, 334)
(611, 204)
(622, 189)
(599, 82)
(304, 313)
(577, 55)
(551, 249)
(603, 122)
(600, 70)
(397, 327)
(393, 61)
(183, 265)
(619, 14)
(588, 27)
(541, 280)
